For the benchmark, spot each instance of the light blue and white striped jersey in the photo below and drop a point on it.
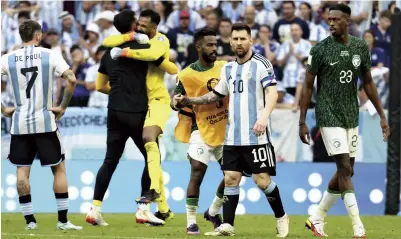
(245, 84)
(31, 72)
(293, 65)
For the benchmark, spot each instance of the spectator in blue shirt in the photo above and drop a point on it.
(377, 54)
(382, 34)
(282, 28)
(80, 66)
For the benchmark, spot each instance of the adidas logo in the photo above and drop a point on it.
(263, 165)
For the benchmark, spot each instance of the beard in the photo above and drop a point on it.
(209, 59)
(141, 32)
(242, 54)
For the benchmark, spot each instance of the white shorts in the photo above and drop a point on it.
(340, 141)
(200, 151)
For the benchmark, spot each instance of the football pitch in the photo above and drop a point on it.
(123, 226)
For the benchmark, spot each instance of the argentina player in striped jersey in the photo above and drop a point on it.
(33, 128)
(251, 85)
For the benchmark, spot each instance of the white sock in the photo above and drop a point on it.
(328, 200)
(216, 205)
(26, 208)
(352, 208)
(62, 204)
(191, 214)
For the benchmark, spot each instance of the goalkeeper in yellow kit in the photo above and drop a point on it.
(159, 103)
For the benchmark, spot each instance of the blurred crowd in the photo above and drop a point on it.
(283, 32)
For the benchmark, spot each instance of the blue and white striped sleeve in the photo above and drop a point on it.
(223, 88)
(267, 76)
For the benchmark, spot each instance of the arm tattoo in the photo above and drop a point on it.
(206, 99)
(69, 76)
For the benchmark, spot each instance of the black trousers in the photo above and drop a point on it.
(120, 127)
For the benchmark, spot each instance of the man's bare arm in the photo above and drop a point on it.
(71, 81)
(206, 99)
(306, 95)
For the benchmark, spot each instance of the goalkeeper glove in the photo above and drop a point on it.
(139, 37)
(117, 52)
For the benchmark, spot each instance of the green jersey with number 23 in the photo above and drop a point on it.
(337, 67)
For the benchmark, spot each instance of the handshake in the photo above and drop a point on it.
(180, 101)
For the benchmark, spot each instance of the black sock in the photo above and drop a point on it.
(62, 206)
(273, 196)
(26, 207)
(231, 198)
(145, 180)
(103, 178)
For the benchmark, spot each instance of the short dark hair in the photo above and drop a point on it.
(225, 19)
(267, 26)
(201, 33)
(75, 47)
(239, 26)
(386, 14)
(27, 30)
(154, 16)
(290, 2)
(341, 7)
(123, 20)
(24, 14)
(100, 49)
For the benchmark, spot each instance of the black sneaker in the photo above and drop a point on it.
(149, 197)
(165, 216)
(215, 220)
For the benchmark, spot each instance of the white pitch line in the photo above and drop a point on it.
(79, 236)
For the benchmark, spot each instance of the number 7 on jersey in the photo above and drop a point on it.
(24, 71)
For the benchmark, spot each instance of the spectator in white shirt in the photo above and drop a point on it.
(105, 22)
(233, 10)
(91, 41)
(249, 19)
(68, 30)
(320, 30)
(110, 6)
(96, 99)
(164, 8)
(264, 16)
(361, 15)
(290, 57)
(195, 21)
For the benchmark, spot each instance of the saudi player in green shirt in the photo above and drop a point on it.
(338, 61)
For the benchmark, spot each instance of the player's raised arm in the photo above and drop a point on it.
(371, 91)
(156, 50)
(116, 40)
(306, 94)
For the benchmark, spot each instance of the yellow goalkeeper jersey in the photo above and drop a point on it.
(159, 46)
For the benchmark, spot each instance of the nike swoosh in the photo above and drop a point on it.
(332, 64)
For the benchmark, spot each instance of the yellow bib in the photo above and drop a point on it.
(212, 118)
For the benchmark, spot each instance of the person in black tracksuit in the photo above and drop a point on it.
(127, 108)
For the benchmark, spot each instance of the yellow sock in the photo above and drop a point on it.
(97, 203)
(162, 204)
(153, 153)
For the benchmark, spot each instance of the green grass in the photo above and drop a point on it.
(123, 226)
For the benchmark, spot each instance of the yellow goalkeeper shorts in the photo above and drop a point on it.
(158, 114)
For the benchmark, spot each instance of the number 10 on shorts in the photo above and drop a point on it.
(262, 154)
